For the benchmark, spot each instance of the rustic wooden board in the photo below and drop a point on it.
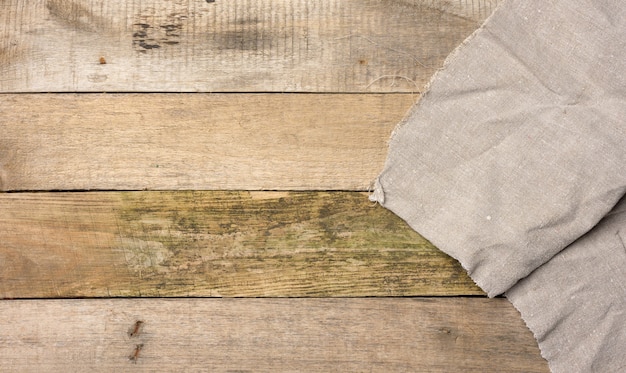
(111, 244)
(230, 45)
(267, 335)
(195, 141)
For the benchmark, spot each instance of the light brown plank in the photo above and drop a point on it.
(111, 244)
(230, 45)
(195, 141)
(271, 335)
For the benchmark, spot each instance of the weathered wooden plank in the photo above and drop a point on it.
(267, 335)
(230, 46)
(101, 244)
(195, 141)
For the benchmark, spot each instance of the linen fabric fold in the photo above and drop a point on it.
(518, 149)
(575, 304)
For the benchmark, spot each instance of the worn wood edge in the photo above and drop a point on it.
(277, 335)
(229, 46)
(195, 141)
(215, 244)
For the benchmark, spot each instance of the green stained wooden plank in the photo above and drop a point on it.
(215, 243)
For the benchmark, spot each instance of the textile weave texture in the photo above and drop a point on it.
(514, 161)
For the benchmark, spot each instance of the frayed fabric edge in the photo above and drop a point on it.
(377, 194)
(449, 59)
(524, 318)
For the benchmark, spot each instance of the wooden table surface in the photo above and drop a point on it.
(185, 188)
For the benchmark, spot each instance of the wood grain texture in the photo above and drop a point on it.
(110, 244)
(230, 46)
(226, 243)
(267, 335)
(195, 141)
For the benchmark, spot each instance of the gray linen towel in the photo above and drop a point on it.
(515, 152)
